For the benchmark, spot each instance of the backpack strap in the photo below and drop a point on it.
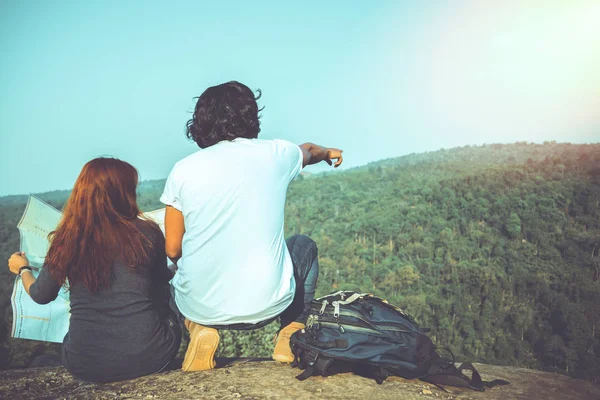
(312, 362)
(439, 366)
(307, 373)
(371, 371)
(322, 364)
(379, 374)
(496, 382)
(443, 372)
(475, 382)
(297, 351)
(307, 361)
(352, 298)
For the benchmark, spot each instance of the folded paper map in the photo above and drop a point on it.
(49, 322)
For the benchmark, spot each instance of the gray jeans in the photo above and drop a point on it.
(304, 254)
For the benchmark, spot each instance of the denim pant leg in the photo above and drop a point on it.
(179, 318)
(303, 251)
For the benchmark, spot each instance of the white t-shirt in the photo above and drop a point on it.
(235, 266)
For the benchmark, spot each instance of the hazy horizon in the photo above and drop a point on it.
(82, 80)
(313, 169)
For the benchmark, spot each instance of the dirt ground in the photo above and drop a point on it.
(265, 379)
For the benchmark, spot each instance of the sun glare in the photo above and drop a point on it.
(524, 71)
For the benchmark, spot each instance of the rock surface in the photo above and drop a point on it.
(264, 379)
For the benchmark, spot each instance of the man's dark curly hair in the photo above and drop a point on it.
(224, 112)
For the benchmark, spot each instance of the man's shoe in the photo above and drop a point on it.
(200, 354)
(283, 352)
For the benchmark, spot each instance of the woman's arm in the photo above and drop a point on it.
(42, 290)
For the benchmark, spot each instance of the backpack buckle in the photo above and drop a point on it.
(312, 320)
(311, 357)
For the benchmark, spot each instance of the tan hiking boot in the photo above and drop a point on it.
(283, 352)
(200, 354)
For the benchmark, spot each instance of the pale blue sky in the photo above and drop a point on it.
(81, 79)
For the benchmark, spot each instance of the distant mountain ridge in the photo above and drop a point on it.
(487, 154)
(496, 248)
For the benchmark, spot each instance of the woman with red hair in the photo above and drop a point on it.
(115, 266)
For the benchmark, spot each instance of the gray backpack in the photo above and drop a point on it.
(359, 332)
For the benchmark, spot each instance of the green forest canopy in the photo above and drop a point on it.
(494, 247)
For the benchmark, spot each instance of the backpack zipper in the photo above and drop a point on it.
(380, 327)
(345, 313)
(336, 306)
(352, 328)
(322, 310)
(354, 314)
(383, 328)
(342, 296)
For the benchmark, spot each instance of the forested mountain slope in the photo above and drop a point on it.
(494, 247)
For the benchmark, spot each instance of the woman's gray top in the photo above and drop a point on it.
(123, 331)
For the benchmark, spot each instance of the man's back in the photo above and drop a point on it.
(224, 226)
(235, 267)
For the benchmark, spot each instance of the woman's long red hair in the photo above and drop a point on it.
(99, 226)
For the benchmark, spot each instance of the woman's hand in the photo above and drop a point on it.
(16, 261)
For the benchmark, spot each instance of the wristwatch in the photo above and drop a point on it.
(24, 268)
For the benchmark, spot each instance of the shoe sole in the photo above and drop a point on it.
(202, 350)
(282, 359)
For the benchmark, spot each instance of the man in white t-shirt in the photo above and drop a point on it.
(224, 227)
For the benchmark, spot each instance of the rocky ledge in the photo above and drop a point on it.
(265, 379)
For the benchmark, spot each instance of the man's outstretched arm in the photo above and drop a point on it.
(313, 153)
